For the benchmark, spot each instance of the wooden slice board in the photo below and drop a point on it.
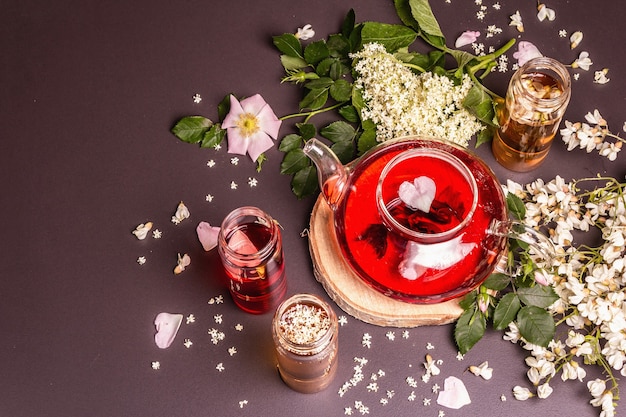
(353, 295)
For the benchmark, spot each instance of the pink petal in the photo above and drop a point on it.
(466, 38)
(236, 110)
(257, 144)
(167, 326)
(268, 121)
(207, 235)
(253, 104)
(236, 142)
(525, 52)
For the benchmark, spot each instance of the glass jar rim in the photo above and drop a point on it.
(543, 64)
(228, 226)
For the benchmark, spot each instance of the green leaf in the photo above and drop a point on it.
(294, 161)
(462, 58)
(469, 329)
(290, 142)
(307, 130)
(223, 107)
(469, 301)
(344, 151)
(348, 23)
(291, 63)
(314, 99)
(289, 45)
(338, 132)
(341, 90)
(367, 139)
(484, 135)
(349, 113)
(338, 45)
(506, 310)
(304, 182)
(315, 52)
(497, 281)
(516, 206)
(338, 69)
(392, 37)
(423, 14)
(479, 103)
(319, 83)
(191, 129)
(536, 325)
(213, 137)
(539, 295)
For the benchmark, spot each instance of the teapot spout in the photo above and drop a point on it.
(331, 174)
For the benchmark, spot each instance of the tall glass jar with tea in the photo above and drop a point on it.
(251, 249)
(305, 334)
(535, 103)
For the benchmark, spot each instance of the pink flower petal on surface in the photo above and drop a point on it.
(258, 144)
(466, 38)
(525, 52)
(233, 115)
(207, 235)
(454, 394)
(167, 326)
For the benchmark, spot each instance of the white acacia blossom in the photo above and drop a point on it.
(590, 281)
(402, 103)
(592, 136)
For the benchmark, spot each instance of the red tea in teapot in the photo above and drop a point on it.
(414, 221)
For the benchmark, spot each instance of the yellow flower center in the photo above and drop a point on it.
(248, 124)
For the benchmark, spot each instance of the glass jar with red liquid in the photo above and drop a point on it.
(305, 334)
(535, 103)
(251, 249)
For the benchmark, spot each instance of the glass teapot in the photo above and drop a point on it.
(420, 220)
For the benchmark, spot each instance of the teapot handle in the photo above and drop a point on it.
(514, 229)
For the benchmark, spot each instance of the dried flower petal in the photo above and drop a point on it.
(207, 235)
(167, 326)
(545, 13)
(454, 394)
(575, 39)
(142, 230)
(525, 52)
(305, 33)
(466, 38)
(483, 370)
(516, 20)
(181, 214)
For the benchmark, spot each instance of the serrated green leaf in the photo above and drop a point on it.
(341, 90)
(307, 130)
(213, 137)
(497, 281)
(289, 45)
(469, 329)
(315, 52)
(314, 99)
(304, 182)
(191, 129)
(423, 14)
(484, 136)
(462, 58)
(536, 325)
(469, 301)
(392, 37)
(344, 151)
(367, 140)
(290, 142)
(506, 310)
(338, 69)
(338, 132)
(347, 26)
(540, 296)
(338, 45)
(349, 113)
(516, 206)
(294, 161)
(479, 103)
(223, 107)
(319, 83)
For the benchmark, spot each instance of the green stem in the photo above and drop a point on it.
(484, 60)
(312, 113)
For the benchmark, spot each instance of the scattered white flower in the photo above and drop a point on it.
(583, 61)
(575, 39)
(459, 356)
(232, 351)
(252, 182)
(545, 13)
(544, 390)
(483, 370)
(503, 398)
(220, 367)
(218, 318)
(599, 77)
(234, 160)
(435, 388)
(157, 234)
(243, 403)
(182, 213)
(190, 319)
(366, 341)
(342, 320)
(426, 402)
(142, 230)
(239, 327)
(429, 346)
(209, 198)
(187, 343)
(197, 98)
(210, 163)
(305, 33)
(496, 6)
(405, 334)
(183, 262)
(156, 365)
(233, 185)
(141, 260)
(430, 366)
(391, 335)
(522, 393)
(516, 20)
(563, 33)
(480, 15)
(217, 147)
(412, 397)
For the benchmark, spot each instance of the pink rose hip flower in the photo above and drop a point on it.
(251, 126)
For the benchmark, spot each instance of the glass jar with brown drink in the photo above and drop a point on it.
(305, 333)
(535, 103)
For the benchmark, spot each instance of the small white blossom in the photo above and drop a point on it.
(141, 260)
(521, 393)
(182, 213)
(575, 39)
(599, 77)
(545, 13)
(197, 98)
(583, 61)
(305, 33)
(516, 20)
(142, 230)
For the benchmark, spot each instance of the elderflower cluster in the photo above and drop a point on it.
(590, 282)
(591, 136)
(402, 103)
